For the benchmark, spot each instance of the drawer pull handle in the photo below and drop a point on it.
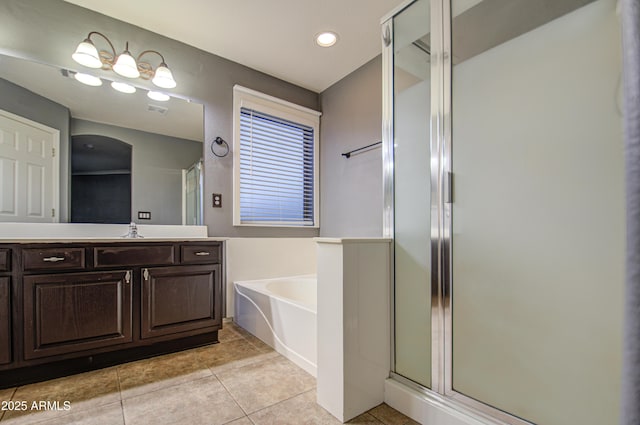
(145, 274)
(53, 259)
(202, 253)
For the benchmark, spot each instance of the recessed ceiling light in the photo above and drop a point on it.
(123, 87)
(87, 79)
(156, 95)
(326, 39)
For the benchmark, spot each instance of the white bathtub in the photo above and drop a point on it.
(283, 313)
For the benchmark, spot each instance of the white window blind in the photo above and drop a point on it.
(276, 170)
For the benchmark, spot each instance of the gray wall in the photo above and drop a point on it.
(157, 164)
(25, 103)
(351, 189)
(48, 31)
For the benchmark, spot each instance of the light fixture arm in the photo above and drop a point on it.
(152, 51)
(160, 76)
(113, 50)
(145, 68)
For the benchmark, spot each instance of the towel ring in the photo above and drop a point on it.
(222, 150)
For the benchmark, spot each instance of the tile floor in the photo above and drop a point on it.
(240, 381)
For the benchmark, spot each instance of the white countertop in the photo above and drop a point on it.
(106, 240)
(82, 232)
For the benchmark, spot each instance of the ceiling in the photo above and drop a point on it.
(272, 36)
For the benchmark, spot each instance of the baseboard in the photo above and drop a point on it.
(427, 408)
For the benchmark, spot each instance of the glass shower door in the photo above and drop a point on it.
(412, 193)
(538, 209)
(193, 195)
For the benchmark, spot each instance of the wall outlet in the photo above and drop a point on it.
(216, 200)
(144, 215)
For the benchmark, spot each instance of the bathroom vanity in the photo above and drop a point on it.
(75, 305)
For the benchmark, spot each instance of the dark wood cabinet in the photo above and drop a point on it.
(5, 320)
(179, 299)
(69, 312)
(74, 306)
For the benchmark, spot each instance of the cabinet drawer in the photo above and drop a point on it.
(192, 254)
(5, 255)
(53, 258)
(106, 256)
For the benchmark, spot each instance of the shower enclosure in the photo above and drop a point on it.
(503, 174)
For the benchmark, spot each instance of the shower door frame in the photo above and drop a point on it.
(441, 391)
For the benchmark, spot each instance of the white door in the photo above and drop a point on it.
(29, 171)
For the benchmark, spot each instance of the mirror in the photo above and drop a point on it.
(96, 127)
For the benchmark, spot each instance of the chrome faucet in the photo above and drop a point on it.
(133, 232)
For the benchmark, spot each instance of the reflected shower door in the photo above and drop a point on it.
(412, 193)
(193, 195)
(538, 211)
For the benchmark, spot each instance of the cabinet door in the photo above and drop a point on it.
(5, 320)
(69, 312)
(180, 299)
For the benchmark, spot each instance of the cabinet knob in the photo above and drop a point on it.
(145, 274)
(127, 277)
(53, 259)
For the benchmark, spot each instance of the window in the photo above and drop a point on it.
(275, 161)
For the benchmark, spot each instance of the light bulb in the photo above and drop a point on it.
(156, 95)
(87, 79)
(123, 87)
(326, 39)
(86, 54)
(126, 65)
(163, 77)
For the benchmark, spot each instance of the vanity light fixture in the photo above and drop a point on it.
(156, 95)
(123, 87)
(326, 39)
(124, 64)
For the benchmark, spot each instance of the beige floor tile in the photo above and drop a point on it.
(242, 331)
(161, 372)
(204, 401)
(231, 354)
(110, 414)
(241, 421)
(259, 344)
(254, 340)
(389, 416)
(5, 395)
(229, 332)
(263, 384)
(85, 391)
(364, 419)
(298, 410)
